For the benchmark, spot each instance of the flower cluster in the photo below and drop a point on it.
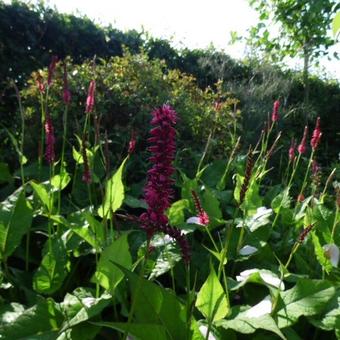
(202, 217)
(158, 191)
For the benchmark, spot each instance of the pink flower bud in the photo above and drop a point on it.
(132, 143)
(291, 151)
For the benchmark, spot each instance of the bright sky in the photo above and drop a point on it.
(190, 23)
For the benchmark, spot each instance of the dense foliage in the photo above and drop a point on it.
(184, 251)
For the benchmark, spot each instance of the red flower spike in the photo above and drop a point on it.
(203, 217)
(302, 146)
(132, 143)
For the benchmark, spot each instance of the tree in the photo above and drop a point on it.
(302, 30)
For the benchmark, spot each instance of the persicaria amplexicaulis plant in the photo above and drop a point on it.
(203, 217)
(158, 191)
(49, 140)
(316, 135)
(302, 146)
(275, 113)
(90, 97)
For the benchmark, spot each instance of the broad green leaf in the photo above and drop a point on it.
(166, 259)
(114, 193)
(42, 194)
(15, 221)
(307, 297)
(211, 299)
(135, 202)
(107, 274)
(38, 322)
(246, 325)
(53, 268)
(281, 201)
(81, 306)
(155, 305)
(320, 254)
(60, 181)
(212, 206)
(331, 318)
(97, 228)
(143, 331)
(176, 211)
(10, 312)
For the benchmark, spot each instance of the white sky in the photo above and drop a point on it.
(190, 23)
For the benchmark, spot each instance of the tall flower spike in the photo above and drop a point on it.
(275, 113)
(158, 191)
(291, 152)
(203, 217)
(66, 90)
(50, 140)
(302, 146)
(90, 97)
(316, 135)
(51, 70)
(132, 143)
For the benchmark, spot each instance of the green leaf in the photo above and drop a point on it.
(15, 221)
(60, 181)
(114, 193)
(97, 228)
(43, 319)
(53, 268)
(176, 211)
(336, 23)
(212, 206)
(307, 297)
(143, 331)
(42, 194)
(10, 312)
(22, 158)
(246, 325)
(155, 305)
(134, 202)
(107, 274)
(81, 306)
(320, 254)
(211, 299)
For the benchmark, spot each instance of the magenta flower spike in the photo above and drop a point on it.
(316, 135)
(90, 97)
(203, 217)
(275, 113)
(302, 146)
(50, 140)
(158, 191)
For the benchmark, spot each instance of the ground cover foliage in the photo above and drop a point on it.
(121, 227)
